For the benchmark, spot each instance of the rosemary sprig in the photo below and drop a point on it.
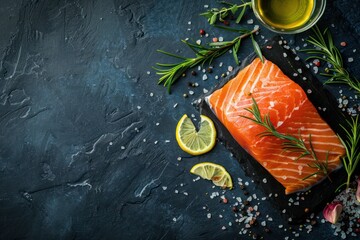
(216, 14)
(327, 51)
(352, 147)
(171, 72)
(291, 143)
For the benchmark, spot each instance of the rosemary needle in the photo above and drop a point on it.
(327, 51)
(220, 14)
(351, 143)
(171, 72)
(291, 143)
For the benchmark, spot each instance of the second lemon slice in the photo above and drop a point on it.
(214, 172)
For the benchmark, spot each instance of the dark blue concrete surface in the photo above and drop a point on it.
(87, 144)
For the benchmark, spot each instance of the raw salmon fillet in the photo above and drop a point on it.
(290, 111)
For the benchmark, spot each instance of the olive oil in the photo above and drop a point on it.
(285, 14)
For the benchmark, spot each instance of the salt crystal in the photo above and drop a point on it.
(221, 39)
(316, 69)
(204, 77)
(230, 68)
(175, 105)
(148, 72)
(208, 215)
(250, 21)
(191, 92)
(198, 42)
(297, 58)
(205, 90)
(284, 54)
(122, 147)
(164, 187)
(189, 22)
(350, 59)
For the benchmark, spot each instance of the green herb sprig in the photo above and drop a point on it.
(351, 143)
(327, 51)
(171, 72)
(216, 14)
(291, 143)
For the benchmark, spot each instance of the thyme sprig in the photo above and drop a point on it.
(216, 14)
(291, 143)
(171, 72)
(351, 143)
(326, 50)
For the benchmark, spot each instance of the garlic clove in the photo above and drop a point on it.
(332, 212)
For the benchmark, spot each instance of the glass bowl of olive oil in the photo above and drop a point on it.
(288, 16)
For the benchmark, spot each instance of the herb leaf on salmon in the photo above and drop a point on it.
(291, 143)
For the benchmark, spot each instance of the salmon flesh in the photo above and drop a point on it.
(290, 112)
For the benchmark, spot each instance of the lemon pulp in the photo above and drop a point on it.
(214, 172)
(192, 141)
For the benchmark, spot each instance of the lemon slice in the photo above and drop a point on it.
(192, 141)
(214, 172)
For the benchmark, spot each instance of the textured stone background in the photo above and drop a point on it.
(87, 146)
